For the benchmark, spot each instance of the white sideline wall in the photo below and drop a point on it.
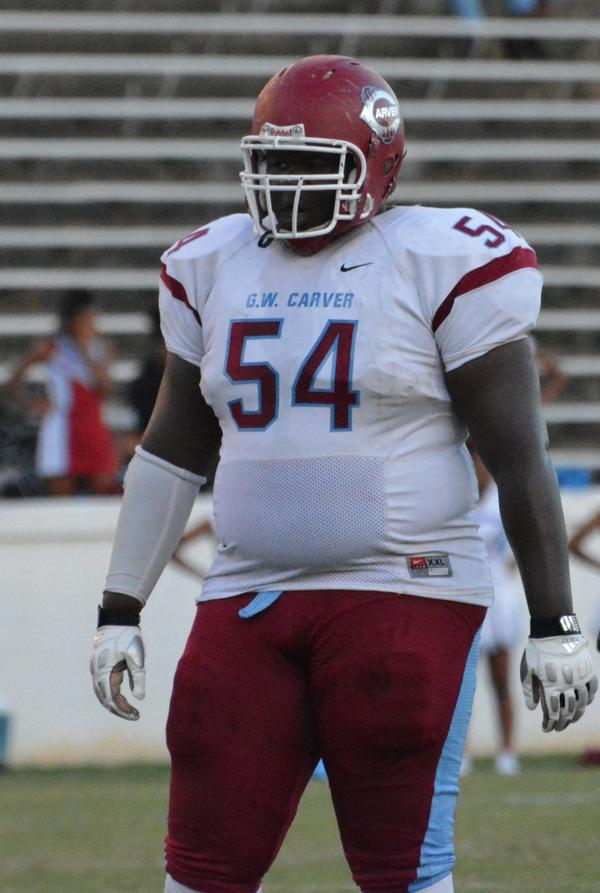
(53, 559)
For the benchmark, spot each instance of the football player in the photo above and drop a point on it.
(343, 354)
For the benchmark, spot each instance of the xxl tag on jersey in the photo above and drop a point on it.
(433, 564)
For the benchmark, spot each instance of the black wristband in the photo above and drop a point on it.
(118, 617)
(562, 625)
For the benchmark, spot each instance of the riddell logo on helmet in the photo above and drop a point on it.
(380, 112)
(289, 130)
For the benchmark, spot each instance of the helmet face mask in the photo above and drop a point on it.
(326, 146)
(338, 182)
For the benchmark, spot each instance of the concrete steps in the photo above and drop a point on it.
(120, 132)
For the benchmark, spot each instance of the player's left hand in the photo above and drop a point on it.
(557, 672)
(118, 649)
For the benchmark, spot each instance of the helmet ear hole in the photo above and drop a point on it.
(390, 163)
(350, 168)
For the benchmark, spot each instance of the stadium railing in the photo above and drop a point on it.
(240, 109)
(255, 69)
(317, 22)
(202, 194)
(521, 150)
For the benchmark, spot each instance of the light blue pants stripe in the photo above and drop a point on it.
(437, 850)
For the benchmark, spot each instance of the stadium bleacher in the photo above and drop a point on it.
(120, 133)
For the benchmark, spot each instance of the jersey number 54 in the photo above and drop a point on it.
(336, 340)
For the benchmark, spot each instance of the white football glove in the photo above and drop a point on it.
(558, 672)
(118, 649)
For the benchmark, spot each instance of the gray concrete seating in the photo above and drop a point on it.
(120, 132)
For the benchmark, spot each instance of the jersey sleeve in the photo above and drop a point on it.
(481, 284)
(185, 277)
(188, 271)
(180, 322)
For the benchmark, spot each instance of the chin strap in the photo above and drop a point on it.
(367, 210)
(265, 239)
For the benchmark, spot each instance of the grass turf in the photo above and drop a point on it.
(101, 831)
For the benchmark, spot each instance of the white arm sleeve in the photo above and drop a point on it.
(156, 506)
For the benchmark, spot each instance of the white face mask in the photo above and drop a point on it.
(259, 185)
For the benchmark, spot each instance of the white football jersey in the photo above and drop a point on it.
(343, 465)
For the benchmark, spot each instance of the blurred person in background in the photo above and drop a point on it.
(144, 387)
(18, 439)
(75, 450)
(500, 629)
(474, 11)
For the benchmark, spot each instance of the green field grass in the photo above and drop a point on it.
(101, 831)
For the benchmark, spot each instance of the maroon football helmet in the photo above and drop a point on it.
(332, 105)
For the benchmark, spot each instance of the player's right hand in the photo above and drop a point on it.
(557, 671)
(118, 649)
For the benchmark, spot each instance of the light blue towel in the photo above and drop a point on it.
(260, 602)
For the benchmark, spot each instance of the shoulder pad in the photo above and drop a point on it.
(447, 232)
(230, 231)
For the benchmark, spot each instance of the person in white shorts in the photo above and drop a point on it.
(500, 630)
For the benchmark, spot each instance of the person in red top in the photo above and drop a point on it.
(75, 449)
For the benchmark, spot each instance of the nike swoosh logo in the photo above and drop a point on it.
(346, 269)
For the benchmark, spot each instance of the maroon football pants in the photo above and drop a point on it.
(368, 680)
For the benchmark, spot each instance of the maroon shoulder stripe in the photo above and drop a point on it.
(517, 259)
(178, 291)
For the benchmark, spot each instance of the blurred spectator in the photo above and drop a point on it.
(514, 48)
(475, 9)
(75, 451)
(144, 388)
(18, 436)
(500, 629)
